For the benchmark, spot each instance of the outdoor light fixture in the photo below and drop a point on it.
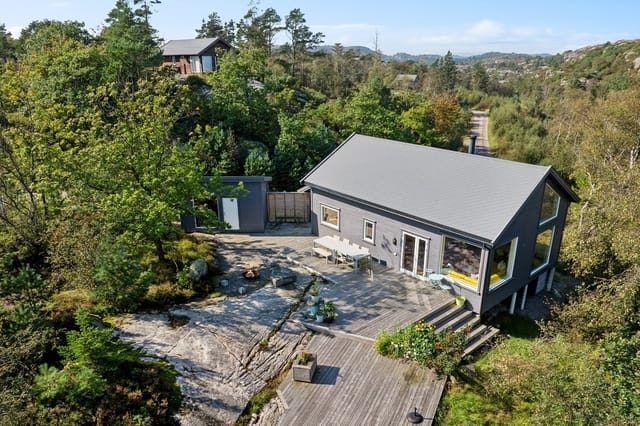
(395, 241)
(415, 417)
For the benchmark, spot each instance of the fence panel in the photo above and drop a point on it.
(293, 207)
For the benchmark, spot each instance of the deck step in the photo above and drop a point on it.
(459, 319)
(477, 343)
(443, 314)
(472, 323)
(337, 333)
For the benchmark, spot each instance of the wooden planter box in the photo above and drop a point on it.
(304, 373)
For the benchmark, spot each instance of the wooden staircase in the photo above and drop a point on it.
(449, 315)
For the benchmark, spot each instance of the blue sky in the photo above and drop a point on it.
(464, 27)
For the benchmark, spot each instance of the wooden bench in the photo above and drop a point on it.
(322, 252)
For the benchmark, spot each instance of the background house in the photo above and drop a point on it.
(492, 227)
(193, 56)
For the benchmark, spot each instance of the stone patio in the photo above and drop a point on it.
(231, 347)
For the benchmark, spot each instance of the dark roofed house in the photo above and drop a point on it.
(490, 228)
(406, 81)
(193, 56)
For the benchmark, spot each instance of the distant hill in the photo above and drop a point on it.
(429, 59)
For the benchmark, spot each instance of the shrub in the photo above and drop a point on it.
(419, 342)
(161, 295)
(63, 306)
(384, 345)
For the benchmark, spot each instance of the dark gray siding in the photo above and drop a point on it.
(526, 227)
(252, 207)
(389, 227)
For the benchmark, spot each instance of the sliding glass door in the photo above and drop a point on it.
(414, 255)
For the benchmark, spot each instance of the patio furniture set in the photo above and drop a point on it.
(341, 251)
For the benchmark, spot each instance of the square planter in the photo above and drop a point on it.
(304, 372)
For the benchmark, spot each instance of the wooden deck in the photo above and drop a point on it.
(355, 386)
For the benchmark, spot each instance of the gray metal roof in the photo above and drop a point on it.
(193, 46)
(472, 194)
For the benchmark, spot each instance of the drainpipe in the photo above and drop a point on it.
(512, 307)
(550, 278)
(472, 144)
(524, 297)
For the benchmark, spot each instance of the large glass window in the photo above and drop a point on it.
(369, 231)
(330, 216)
(550, 203)
(461, 261)
(543, 249)
(502, 266)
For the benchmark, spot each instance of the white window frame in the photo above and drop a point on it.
(546, 262)
(366, 222)
(512, 261)
(330, 225)
(557, 207)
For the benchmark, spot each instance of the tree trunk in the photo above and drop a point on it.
(159, 250)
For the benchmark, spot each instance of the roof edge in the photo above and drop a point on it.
(443, 228)
(302, 181)
(563, 184)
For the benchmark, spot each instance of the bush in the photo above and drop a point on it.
(63, 306)
(121, 280)
(419, 342)
(161, 295)
(385, 346)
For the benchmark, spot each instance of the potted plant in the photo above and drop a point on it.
(315, 292)
(329, 310)
(304, 367)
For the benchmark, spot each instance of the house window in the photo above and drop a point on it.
(195, 64)
(461, 261)
(502, 266)
(550, 204)
(369, 231)
(543, 249)
(330, 216)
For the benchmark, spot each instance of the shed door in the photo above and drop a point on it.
(230, 212)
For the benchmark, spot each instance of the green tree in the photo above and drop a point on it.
(259, 30)
(303, 142)
(212, 27)
(447, 72)
(130, 43)
(301, 40)
(239, 102)
(132, 169)
(258, 163)
(6, 45)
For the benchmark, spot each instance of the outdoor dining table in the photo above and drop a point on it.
(342, 247)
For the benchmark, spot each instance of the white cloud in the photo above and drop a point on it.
(350, 34)
(15, 30)
(486, 28)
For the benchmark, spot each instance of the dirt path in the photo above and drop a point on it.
(480, 128)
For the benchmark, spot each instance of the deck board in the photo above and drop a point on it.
(355, 385)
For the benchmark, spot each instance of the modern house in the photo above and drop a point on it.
(492, 228)
(193, 56)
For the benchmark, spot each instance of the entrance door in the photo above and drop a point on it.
(230, 212)
(414, 255)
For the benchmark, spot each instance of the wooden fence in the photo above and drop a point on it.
(289, 207)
